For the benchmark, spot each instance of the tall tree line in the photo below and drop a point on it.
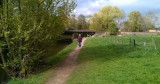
(106, 19)
(27, 28)
(137, 22)
(80, 22)
(112, 19)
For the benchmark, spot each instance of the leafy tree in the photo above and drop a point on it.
(153, 18)
(27, 29)
(96, 22)
(113, 29)
(82, 23)
(135, 21)
(106, 16)
(124, 26)
(150, 20)
(72, 23)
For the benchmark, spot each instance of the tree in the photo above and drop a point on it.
(106, 16)
(96, 22)
(124, 26)
(152, 16)
(72, 23)
(150, 19)
(135, 21)
(113, 29)
(28, 28)
(88, 21)
(82, 24)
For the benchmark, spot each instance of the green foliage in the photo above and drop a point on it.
(80, 23)
(150, 19)
(28, 27)
(107, 16)
(113, 29)
(138, 23)
(125, 26)
(73, 22)
(96, 22)
(135, 20)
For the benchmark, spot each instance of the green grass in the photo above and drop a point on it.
(113, 60)
(40, 78)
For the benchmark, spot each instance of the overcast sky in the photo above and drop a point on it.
(89, 7)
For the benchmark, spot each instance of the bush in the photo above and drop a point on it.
(113, 29)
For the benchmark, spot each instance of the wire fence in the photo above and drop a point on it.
(141, 42)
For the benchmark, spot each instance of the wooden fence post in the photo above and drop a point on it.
(154, 44)
(134, 43)
(144, 45)
(130, 41)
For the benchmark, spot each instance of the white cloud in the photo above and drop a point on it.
(122, 2)
(84, 11)
(88, 7)
(98, 3)
(101, 3)
(91, 5)
(95, 4)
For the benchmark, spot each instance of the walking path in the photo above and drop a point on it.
(65, 68)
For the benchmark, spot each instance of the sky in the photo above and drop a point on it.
(89, 7)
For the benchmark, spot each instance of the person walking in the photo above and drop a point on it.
(79, 39)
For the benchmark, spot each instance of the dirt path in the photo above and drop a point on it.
(64, 69)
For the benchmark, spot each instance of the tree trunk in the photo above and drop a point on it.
(19, 6)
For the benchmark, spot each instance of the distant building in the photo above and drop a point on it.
(153, 30)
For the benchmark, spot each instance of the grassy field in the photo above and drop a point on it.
(42, 76)
(114, 60)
